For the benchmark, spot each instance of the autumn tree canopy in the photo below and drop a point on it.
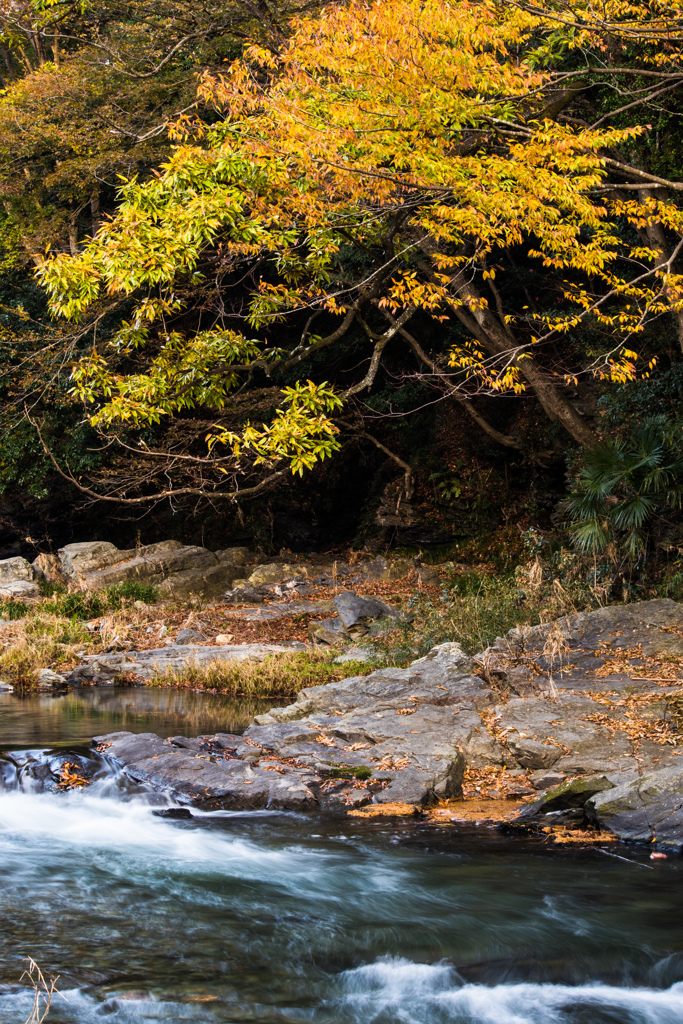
(387, 173)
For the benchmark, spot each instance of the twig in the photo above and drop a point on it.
(637, 863)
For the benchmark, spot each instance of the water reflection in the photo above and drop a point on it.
(37, 720)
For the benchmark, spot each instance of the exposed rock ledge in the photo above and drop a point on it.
(552, 698)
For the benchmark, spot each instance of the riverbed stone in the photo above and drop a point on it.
(277, 610)
(236, 556)
(49, 680)
(648, 809)
(190, 636)
(598, 651)
(567, 795)
(354, 610)
(86, 556)
(180, 571)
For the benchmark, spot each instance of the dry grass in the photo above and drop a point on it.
(278, 675)
(42, 641)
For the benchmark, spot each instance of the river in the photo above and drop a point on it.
(241, 917)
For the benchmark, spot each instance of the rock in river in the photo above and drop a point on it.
(397, 735)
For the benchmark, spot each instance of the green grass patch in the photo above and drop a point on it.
(44, 642)
(85, 606)
(11, 610)
(475, 608)
(129, 591)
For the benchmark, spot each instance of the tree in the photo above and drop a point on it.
(431, 142)
(89, 92)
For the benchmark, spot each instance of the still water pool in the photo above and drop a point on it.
(307, 920)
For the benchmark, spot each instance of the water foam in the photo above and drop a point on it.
(395, 989)
(131, 831)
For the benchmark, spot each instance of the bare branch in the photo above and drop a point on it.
(179, 492)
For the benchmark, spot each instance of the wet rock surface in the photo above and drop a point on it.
(49, 771)
(648, 809)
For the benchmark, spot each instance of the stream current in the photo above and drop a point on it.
(290, 919)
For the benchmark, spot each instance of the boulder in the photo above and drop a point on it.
(570, 650)
(181, 572)
(86, 556)
(354, 610)
(49, 680)
(48, 567)
(646, 810)
(151, 566)
(190, 636)
(355, 615)
(565, 802)
(327, 631)
(273, 572)
(543, 779)
(429, 576)
(236, 556)
(243, 593)
(15, 570)
(208, 583)
(219, 782)
(17, 580)
(280, 610)
(533, 754)
(20, 590)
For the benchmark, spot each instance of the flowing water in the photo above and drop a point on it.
(284, 918)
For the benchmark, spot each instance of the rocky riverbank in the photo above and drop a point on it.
(580, 716)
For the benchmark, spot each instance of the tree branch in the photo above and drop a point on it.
(179, 492)
(504, 439)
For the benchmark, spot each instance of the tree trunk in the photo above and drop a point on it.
(95, 212)
(73, 234)
(494, 334)
(497, 340)
(655, 236)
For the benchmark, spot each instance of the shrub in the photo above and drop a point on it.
(475, 608)
(625, 488)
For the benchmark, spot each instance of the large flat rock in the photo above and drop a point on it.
(396, 735)
(609, 649)
(407, 734)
